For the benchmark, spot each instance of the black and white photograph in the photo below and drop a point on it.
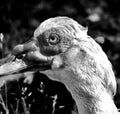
(59, 57)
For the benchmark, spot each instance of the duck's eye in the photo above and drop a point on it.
(54, 39)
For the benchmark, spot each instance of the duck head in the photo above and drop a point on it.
(51, 41)
(61, 44)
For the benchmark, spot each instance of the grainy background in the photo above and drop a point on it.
(19, 19)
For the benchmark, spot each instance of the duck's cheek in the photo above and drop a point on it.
(57, 63)
(50, 50)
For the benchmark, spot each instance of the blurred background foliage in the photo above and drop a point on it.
(19, 19)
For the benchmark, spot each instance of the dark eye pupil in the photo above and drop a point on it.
(53, 39)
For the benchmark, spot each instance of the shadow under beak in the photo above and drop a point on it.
(12, 65)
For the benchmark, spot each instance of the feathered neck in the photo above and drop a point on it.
(102, 104)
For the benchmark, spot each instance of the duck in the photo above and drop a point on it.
(62, 49)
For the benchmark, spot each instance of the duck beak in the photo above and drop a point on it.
(12, 65)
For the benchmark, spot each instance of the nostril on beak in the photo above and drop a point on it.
(21, 56)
